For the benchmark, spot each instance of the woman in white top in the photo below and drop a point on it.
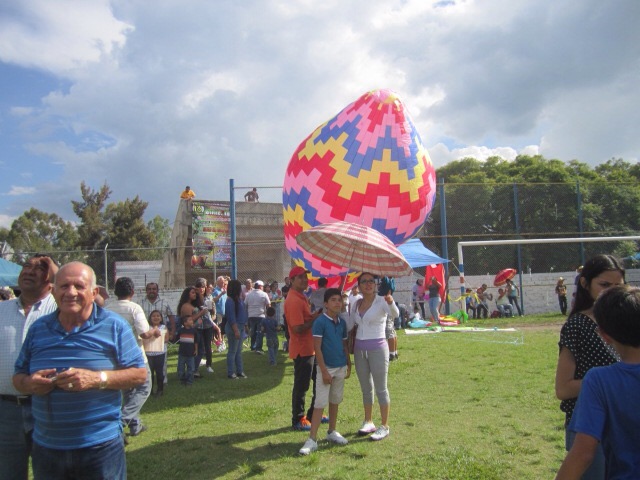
(371, 352)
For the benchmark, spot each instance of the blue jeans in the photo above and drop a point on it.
(234, 351)
(16, 427)
(204, 347)
(514, 301)
(103, 461)
(256, 334)
(132, 401)
(186, 369)
(434, 304)
(272, 345)
(596, 470)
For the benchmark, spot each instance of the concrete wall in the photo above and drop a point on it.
(537, 290)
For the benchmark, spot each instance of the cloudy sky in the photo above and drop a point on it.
(150, 96)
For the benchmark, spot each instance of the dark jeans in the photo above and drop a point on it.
(186, 369)
(482, 310)
(256, 334)
(514, 301)
(562, 300)
(156, 364)
(103, 461)
(16, 427)
(304, 372)
(473, 309)
(204, 346)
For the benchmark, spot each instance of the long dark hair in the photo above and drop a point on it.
(234, 290)
(184, 298)
(594, 267)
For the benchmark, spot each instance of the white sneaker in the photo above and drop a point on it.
(209, 369)
(367, 428)
(381, 432)
(335, 437)
(309, 446)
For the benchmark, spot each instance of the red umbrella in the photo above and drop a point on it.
(356, 247)
(503, 275)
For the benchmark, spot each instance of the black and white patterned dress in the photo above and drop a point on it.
(579, 335)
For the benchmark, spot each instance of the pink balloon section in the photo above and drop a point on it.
(366, 165)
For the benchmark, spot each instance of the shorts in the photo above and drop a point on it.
(333, 392)
(389, 330)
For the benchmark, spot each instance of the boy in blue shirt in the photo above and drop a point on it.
(607, 405)
(269, 326)
(333, 365)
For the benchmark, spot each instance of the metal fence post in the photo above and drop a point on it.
(518, 248)
(580, 220)
(443, 232)
(232, 214)
(106, 269)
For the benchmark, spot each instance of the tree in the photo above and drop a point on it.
(36, 231)
(126, 228)
(93, 228)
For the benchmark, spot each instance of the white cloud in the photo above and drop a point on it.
(17, 191)
(6, 221)
(165, 94)
(60, 36)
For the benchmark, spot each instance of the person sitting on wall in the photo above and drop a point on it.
(187, 194)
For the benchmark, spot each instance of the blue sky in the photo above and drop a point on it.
(152, 96)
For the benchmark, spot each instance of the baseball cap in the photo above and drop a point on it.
(295, 271)
(259, 282)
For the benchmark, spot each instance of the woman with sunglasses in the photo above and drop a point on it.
(371, 352)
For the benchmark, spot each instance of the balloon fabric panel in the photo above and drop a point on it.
(366, 165)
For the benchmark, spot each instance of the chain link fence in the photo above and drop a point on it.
(462, 212)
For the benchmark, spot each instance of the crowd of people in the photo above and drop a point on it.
(75, 373)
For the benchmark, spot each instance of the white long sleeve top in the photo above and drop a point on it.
(372, 324)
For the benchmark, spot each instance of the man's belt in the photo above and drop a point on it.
(17, 399)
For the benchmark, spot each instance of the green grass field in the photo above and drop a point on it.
(463, 406)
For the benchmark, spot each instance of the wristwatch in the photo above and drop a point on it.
(103, 380)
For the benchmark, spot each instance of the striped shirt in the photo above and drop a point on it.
(68, 420)
(13, 329)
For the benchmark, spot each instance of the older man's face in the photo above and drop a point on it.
(73, 290)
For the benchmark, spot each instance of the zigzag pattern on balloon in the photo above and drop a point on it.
(366, 165)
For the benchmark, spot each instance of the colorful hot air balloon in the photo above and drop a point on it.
(366, 165)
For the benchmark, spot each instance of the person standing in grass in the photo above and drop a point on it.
(333, 364)
(561, 292)
(235, 325)
(371, 352)
(270, 326)
(581, 348)
(606, 413)
(299, 321)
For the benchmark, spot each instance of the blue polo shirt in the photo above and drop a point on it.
(332, 334)
(68, 420)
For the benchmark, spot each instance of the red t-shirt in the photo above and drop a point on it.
(297, 311)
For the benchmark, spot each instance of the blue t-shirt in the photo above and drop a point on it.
(239, 317)
(68, 420)
(607, 411)
(270, 326)
(221, 302)
(332, 334)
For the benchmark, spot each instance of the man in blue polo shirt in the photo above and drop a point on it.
(74, 362)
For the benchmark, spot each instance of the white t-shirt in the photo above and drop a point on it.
(134, 315)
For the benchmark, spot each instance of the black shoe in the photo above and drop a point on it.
(241, 375)
(233, 376)
(197, 375)
(391, 357)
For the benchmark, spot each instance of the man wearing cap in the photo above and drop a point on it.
(257, 302)
(16, 316)
(299, 321)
